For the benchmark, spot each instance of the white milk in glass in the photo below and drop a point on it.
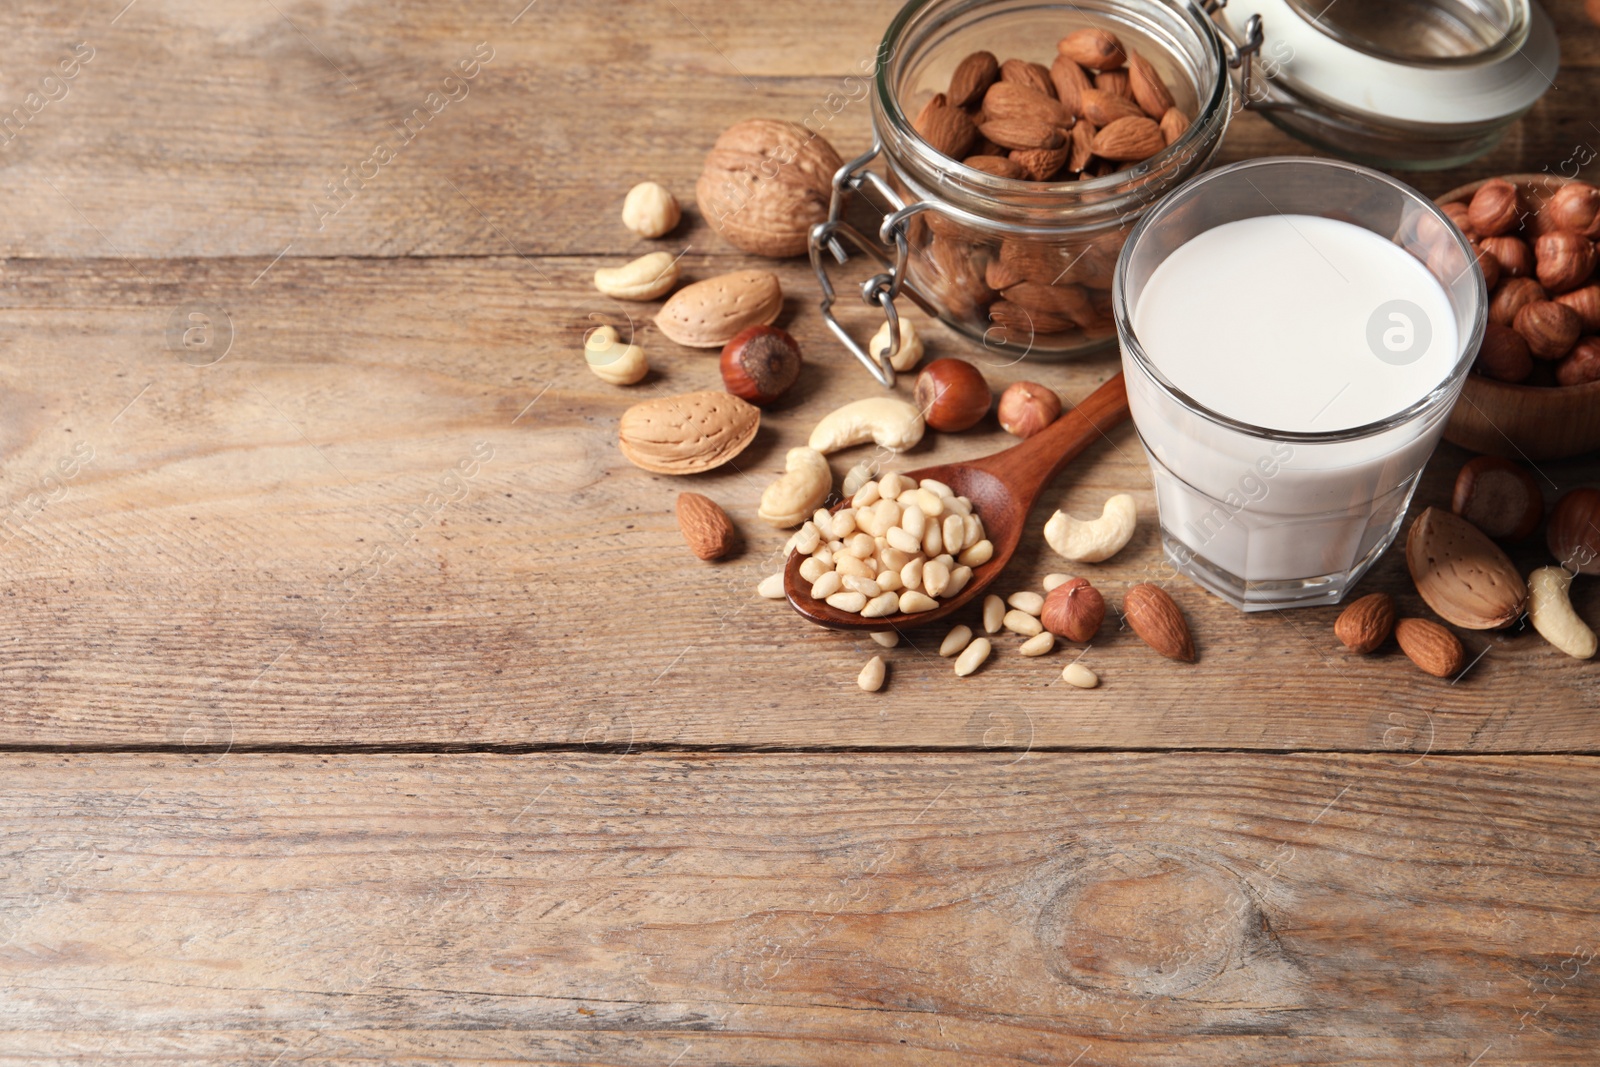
(1289, 323)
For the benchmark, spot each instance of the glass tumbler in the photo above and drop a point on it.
(1268, 518)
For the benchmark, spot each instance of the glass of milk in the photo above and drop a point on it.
(1294, 333)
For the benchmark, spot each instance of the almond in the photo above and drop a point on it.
(1069, 300)
(711, 313)
(1129, 140)
(1082, 145)
(1040, 163)
(687, 434)
(1463, 575)
(765, 184)
(972, 79)
(1174, 124)
(1006, 100)
(1431, 647)
(948, 129)
(1366, 623)
(1114, 82)
(1095, 49)
(1070, 82)
(1148, 89)
(999, 166)
(1021, 324)
(1074, 610)
(1031, 75)
(706, 528)
(1022, 133)
(1156, 618)
(1103, 108)
(999, 275)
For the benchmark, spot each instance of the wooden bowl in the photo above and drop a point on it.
(1523, 421)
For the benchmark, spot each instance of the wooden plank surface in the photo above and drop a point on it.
(1190, 909)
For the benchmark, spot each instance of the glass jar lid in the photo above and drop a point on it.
(1431, 62)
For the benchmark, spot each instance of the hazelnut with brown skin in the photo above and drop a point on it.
(1586, 302)
(1512, 253)
(1582, 365)
(1511, 297)
(1551, 329)
(952, 395)
(1574, 531)
(1564, 260)
(1576, 209)
(760, 364)
(1499, 497)
(1028, 407)
(1495, 208)
(1504, 355)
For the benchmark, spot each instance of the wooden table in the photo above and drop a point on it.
(361, 705)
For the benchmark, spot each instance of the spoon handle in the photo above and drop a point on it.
(1028, 467)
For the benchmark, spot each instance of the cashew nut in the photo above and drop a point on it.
(611, 360)
(1096, 540)
(644, 279)
(805, 484)
(887, 420)
(911, 346)
(1550, 611)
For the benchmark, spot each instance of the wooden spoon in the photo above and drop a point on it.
(1002, 488)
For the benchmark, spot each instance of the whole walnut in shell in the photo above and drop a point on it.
(766, 183)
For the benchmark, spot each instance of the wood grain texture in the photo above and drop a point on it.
(1123, 909)
(273, 550)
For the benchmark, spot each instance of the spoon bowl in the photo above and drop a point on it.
(1002, 488)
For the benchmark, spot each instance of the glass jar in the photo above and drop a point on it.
(1022, 267)
(1399, 84)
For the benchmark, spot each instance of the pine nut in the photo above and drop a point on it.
(822, 519)
(893, 557)
(930, 502)
(857, 478)
(871, 677)
(935, 577)
(958, 504)
(881, 605)
(911, 574)
(812, 568)
(972, 657)
(771, 586)
(1020, 622)
(932, 539)
(978, 554)
(861, 545)
(827, 585)
(955, 641)
(885, 638)
(823, 556)
(808, 539)
(973, 532)
(891, 514)
(844, 522)
(901, 539)
(933, 485)
(850, 567)
(1079, 675)
(865, 586)
(959, 577)
(913, 521)
(867, 494)
(889, 581)
(851, 602)
(912, 602)
(835, 546)
(994, 610)
(891, 484)
(1051, 581)
(1038, 644)
(945, 558)
(954, 531)
(1028, 601)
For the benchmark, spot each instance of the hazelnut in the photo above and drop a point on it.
(1512, 253)
(1586, 302)
(1565, 260)
(760, 364)
(1028, 407)
(1456, 213)
(952, 395)
(1499, 497)
(911, 347)
(1511, 297)
(1504, 355)
(1074, 610)
(1495, 208)
(1447, 264)
(1551, 329)
(649, 210)
(1574, 531)
(1489, 266)
(1582, 365)
(1576, 209)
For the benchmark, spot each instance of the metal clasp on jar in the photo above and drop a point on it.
(1242, 56)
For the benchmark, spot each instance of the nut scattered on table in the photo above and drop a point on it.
(886, 420)
(952, 395)
(766, 182)
(911, 345)
(1366, 623)
(806, 481)
(1551, 613)
(1574, 531)
(1094, 540)
(1461, 574)
(1431, 647)
(706, 528)
(711, 313)
(611, 360)
(1074, 610)
(650, 210)
(1158, 620)
(871, 677)
(760, 364)
(1028, 407)
(972, 656)
(646, 278)
(1499, 497)
(686, 434)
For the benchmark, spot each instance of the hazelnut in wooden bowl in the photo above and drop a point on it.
(1535, 390)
